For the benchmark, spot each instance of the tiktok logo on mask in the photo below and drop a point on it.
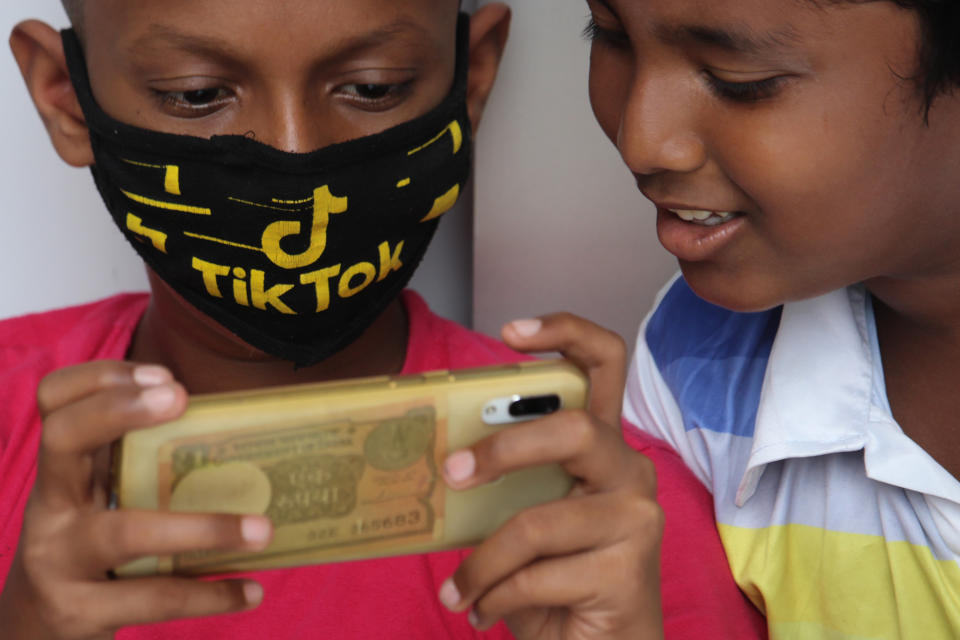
(280, 268)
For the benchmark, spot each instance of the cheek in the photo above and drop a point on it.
(814, 170)
(609, 85)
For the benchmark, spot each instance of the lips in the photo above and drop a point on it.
(695, 235)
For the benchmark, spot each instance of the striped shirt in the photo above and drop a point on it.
(835, 523)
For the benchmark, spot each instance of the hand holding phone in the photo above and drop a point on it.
(586, 566)
(57, 586)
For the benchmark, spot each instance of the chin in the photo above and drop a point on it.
(730, 290)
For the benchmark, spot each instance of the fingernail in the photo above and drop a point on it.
(157, 399)
(255, 530)
(527, 327)
(253, 593)
(449, 595)
(460, 466)
(473, 619)
(150, 375)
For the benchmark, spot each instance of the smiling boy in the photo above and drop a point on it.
(804, 158)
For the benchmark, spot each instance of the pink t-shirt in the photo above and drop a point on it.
(386, 598)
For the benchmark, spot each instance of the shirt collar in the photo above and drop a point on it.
(817, 399)
(816, 391)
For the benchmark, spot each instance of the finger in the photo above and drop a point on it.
(585, 448)
(614, 592)
(114, 538)
(112, 605)
(73, 434)
(554, 529)
(600, 353)
(68, 385)
(86, 425)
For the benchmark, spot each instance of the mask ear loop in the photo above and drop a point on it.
(80, 78)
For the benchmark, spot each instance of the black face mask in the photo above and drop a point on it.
(297, 254)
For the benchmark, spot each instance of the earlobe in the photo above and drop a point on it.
(489, 29)
(38, 50)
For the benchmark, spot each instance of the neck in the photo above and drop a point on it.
(206, 358)
(927, 307)
(918, 326)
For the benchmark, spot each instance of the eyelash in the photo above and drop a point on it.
(593, 32)
(385, 96)
(743, 92)
(392, 94)
(746, 92)
(179, 101)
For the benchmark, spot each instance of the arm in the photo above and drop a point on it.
(700, 597)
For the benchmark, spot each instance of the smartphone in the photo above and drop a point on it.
(345, 470)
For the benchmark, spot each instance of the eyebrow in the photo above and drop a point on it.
(204, 45)
(402, 27)
(223, 49)
(741, 40)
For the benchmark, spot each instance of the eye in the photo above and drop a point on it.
(374, 91)
(194, 103)
(597, 34)
(749, 91)
(376, 96)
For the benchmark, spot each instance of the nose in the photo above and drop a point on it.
(289, 122)
(657, 131)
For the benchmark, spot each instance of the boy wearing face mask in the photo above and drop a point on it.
(281, 168)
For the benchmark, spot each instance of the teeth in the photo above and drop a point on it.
(699, 215)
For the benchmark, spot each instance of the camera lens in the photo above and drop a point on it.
(534, 406)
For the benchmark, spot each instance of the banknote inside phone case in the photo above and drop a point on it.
(345, 470)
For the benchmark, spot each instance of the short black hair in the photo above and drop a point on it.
(938, 69)
(939, 55)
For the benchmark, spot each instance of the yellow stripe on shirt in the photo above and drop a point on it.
(816, 584)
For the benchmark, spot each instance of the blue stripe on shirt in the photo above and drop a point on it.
(713, 360)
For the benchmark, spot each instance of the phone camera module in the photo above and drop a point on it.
(534, 406)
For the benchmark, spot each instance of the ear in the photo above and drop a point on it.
(38, 50)
(489, 28)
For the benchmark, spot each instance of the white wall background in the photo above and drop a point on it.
(559, 223)
(62, 248)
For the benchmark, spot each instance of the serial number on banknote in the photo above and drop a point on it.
(399, 521)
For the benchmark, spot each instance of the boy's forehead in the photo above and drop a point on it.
(326, 19)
